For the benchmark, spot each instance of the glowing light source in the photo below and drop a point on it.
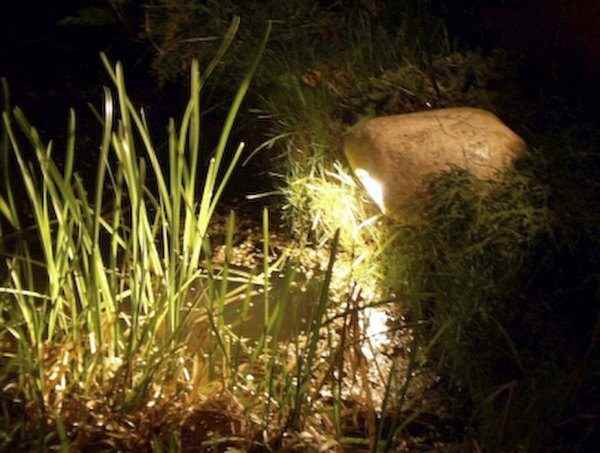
(376, 323)
(373, 187)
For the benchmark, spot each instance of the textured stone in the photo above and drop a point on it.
(399, 151)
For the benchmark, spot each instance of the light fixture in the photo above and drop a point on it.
(373, 187)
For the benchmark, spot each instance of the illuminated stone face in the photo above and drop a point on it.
(394, 155)
(373, 187)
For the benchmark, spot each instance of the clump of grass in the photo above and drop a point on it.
(477, 255)
(120, 325)
(478, 232)
(334, 201)
(470, 270)
(101, 311)
(182, 30)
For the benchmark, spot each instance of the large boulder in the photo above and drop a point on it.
(391, 155)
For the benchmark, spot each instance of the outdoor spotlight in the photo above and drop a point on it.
(373, 187)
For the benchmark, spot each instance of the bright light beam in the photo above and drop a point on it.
(373, 187)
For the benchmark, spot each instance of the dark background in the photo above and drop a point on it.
(52, 61)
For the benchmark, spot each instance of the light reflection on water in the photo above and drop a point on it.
(375, 320)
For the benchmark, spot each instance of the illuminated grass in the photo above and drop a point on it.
(103, 307)
(116, 328)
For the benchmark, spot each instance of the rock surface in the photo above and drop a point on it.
(391, 155)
